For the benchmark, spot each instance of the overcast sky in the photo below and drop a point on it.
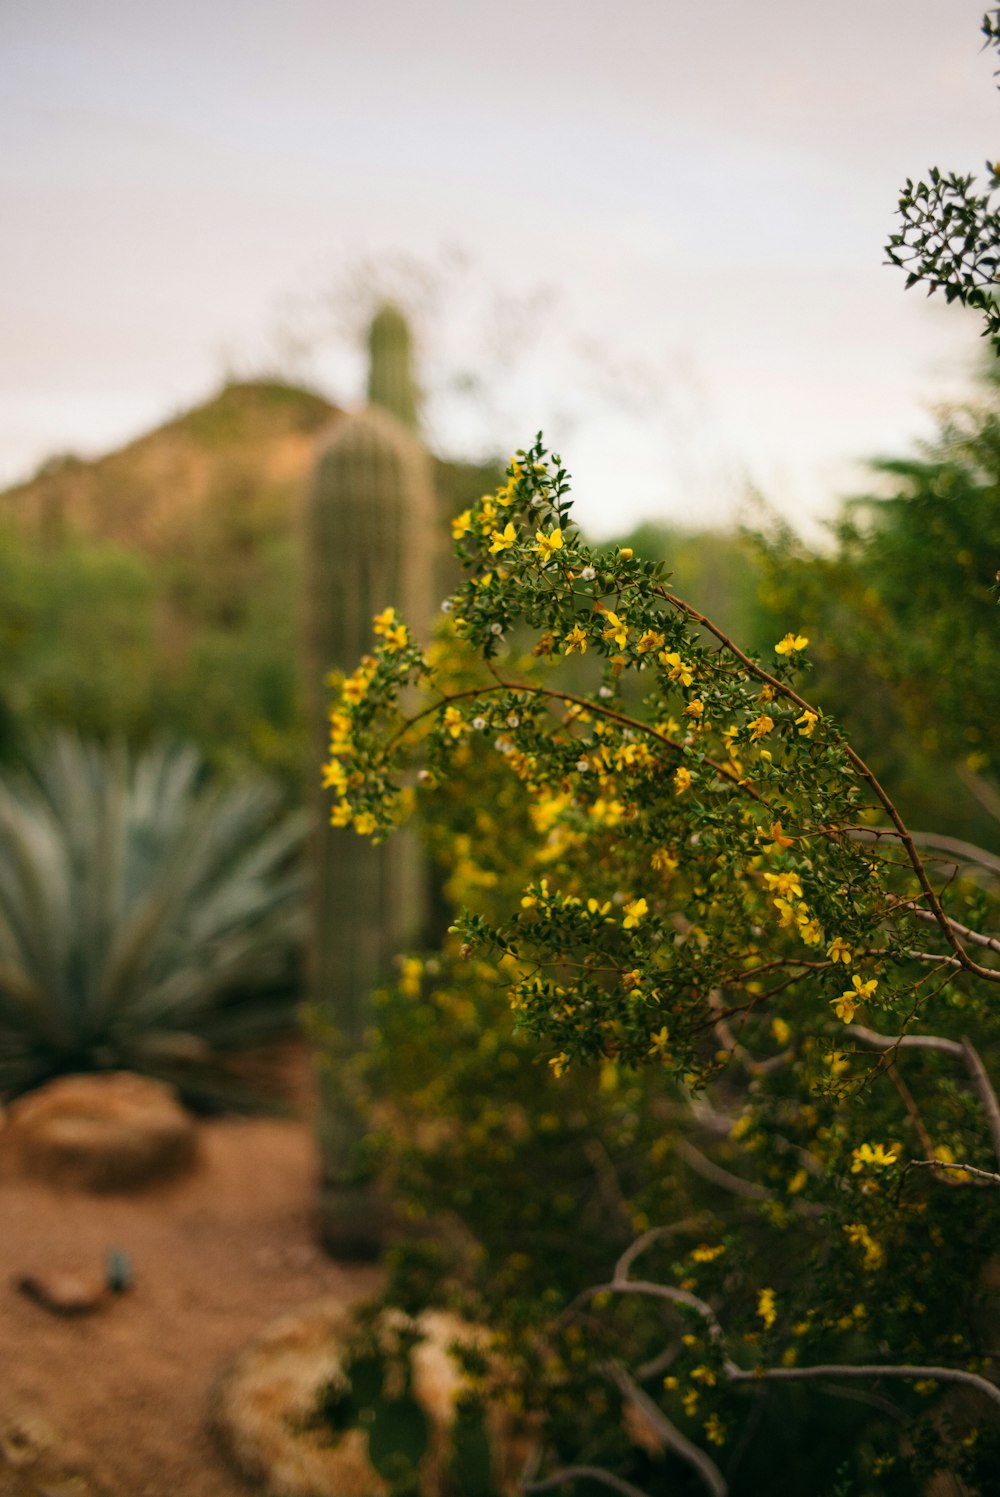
(654, 227)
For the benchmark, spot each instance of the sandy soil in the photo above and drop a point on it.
(113, 1404)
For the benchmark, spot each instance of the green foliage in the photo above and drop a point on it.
(375, 1394)
(698, 887)
(720, 569)
(149, 918)
(950, 238)
(903, 625)
(76, 634)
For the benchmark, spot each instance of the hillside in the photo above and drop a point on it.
(246, 452)
(156, 590)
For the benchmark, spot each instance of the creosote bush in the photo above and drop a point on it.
(700, 879)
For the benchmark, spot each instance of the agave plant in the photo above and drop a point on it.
(150, 919)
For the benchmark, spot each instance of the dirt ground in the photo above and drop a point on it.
(114, 1403)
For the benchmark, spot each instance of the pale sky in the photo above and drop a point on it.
(653, 227)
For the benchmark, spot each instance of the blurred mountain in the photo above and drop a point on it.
(246, 451)
(156, 590)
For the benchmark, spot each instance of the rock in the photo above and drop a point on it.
(266, 1403)
(98, 1133)
(65, 1293)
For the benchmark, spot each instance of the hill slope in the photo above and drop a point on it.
(247, 452)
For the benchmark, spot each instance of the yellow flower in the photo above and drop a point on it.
(859, 1236)
(635, 911)
(559, 1063)
(546, 544)
(782, 1032)
(703, 1375)
(790, 644)
(797, 1182)
(715, 1430)
(663, 861)
(650, 641)
(810, 929)
(626, 553)
(694, 708)
(806, 722)
(766, 1309)
(341, 814)
(787, 885)
(761, 726)
(778, 838)
(875, 1155)
(690, 1401)
(677, 669)
(660, 1040)
(845, 1007)
(616, 629)
(838, 950)
(705, 1254)
(837, 1061)
(682, 780)
(396, 638)
(365, 823)
(461, 524)
(334, 776)
(502, 540)
(384, 621)
(454, 722)
(412, 971)
(354, 688)
(576, 639)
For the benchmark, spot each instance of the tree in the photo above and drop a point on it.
(719, 888)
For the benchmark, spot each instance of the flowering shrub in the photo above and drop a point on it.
(674, 862)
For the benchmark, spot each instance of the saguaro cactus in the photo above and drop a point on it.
(390, 370)
(370, 529)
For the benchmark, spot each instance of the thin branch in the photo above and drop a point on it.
(963, 1050)
(861, 768)
(968, 1169)
(966, 852)
(907, 1041)
(798, 1374)
(709, 1170)
(975, 936)
(585, 1473)
(699, 1460)
(984, 1090)
(984, 792)
(657, 1291)
(655, 1234)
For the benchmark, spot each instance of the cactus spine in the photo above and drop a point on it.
(370, 533)
(390, 369)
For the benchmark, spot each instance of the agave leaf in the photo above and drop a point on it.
(147, 915)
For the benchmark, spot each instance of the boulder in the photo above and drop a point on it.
(267, 1405)
(112, 1132)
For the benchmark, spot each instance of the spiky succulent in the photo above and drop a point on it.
(150, 919)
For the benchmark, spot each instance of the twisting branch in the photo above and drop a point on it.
(966, 1169)
(963, 1050)
(966, 852)
(906, 1041)
(975, 936)
(584, 1473)
(737, 1374)
(699, 1460)
(862, 769)
(984, 1090)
